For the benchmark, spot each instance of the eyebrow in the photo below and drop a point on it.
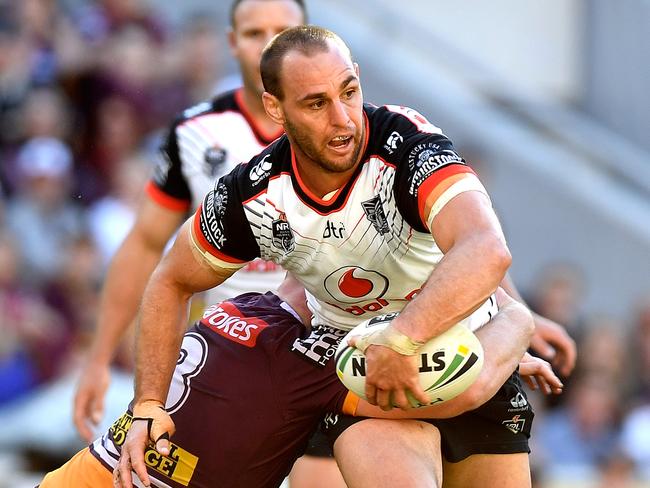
(313, 96)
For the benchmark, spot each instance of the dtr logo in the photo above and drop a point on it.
(352, 284)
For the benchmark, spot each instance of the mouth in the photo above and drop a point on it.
(340, 143)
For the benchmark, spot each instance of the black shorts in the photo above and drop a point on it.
(500, 426)
(250, 386)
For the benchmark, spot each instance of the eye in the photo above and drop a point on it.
(350, 93)
(317, 104)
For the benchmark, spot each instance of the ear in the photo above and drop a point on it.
(273, 108)
(232, 42)
(356, 69)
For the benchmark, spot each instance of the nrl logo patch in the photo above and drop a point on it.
(515, 424)
(282, 234)
(214, 159)
(375, 214)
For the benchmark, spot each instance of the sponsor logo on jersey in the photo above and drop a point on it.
(353, 284)
(178, 465)
(515, 424)
(214, 159)
(226, 320)
(334, 230)
(320, 346)
(282, 234)
(394, 140)
(261, 170)
(375, 214)
(211, 225)
(426, 159)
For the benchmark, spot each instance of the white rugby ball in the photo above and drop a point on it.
(448, 364)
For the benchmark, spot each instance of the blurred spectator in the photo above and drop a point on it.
(635, 439)
(603, 351)
(640, 347)
(74, 293)
(111, 217)
(576, 437)
(40, 215)
(30, 330)
(199, 59)
(557, 294)
(617, 471)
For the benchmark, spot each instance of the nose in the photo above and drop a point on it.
(338, 114)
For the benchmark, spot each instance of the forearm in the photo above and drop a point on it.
(125, 282)
(467, 275)
(161, 325)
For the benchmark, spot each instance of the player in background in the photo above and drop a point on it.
(402, 201)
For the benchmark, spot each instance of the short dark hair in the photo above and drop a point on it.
(306, 39)
(236, 3)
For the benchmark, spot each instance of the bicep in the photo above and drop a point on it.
(187, 268)
(466, 214)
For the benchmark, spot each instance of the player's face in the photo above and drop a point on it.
(255, 24)
(323, 108)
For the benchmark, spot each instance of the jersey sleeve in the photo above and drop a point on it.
(168, 186)
(429, 166)
(220, 230)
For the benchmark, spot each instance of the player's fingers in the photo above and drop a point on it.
(80, 416)
(530, 382)
(400, 399)
(140, 468)
(162, 444)
(371, 394)
(97, 411)
(566, 358)
(542, 348)
(419, 394)
(122, 472)
(383, 399)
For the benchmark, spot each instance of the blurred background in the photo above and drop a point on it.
(547, 100)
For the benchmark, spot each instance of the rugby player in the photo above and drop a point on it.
(373, 211)
(244, 399)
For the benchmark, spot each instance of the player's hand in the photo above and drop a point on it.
(89, 398)
(151, 425)
(391, 377)
(552, 342)
(538, 373)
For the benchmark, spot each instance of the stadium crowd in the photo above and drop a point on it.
(85, 91)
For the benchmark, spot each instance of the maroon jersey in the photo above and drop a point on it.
(250, 386)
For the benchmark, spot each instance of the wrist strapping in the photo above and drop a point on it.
(391, 338)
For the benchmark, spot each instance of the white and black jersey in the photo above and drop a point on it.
(206, 142)
(366, 250)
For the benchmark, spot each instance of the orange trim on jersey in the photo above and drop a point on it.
(165, 200)
(205, 245)
(350, 404)
(309, 193)
(82, 471)
(438, 182)
(262, 137)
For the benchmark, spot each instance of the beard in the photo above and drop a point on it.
(304, 143)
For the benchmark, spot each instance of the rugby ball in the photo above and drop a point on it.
(448, 364)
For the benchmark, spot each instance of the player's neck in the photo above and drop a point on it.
(253, 105)
(321, 184)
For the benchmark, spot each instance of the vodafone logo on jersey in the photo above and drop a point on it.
(353, 284)
(226, 320)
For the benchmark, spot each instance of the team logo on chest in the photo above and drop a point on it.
(375, 213)
(282, 234)
(353, 284)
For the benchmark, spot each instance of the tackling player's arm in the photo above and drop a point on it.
(185, 270)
